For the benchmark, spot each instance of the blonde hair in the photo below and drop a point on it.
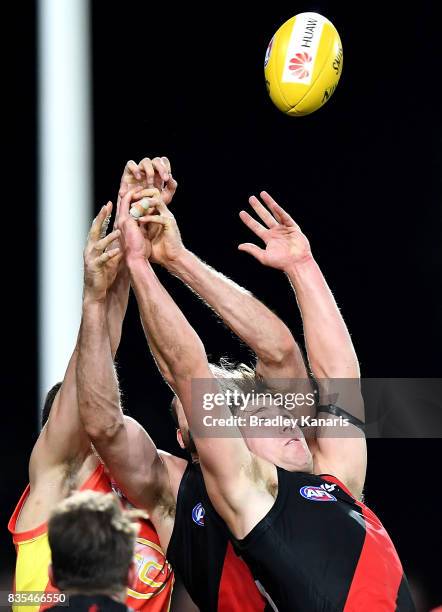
(236, 376)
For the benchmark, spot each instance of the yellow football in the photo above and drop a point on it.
(303, 64)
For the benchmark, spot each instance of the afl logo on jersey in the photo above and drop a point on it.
(198, 514)
(316, 494)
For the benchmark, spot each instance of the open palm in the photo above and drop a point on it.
(285, 244)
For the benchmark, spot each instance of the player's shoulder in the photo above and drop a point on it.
(175, 467)
(172, 462)
(132, 424)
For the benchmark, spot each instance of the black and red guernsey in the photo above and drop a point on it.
(201, 554)
(319, 549)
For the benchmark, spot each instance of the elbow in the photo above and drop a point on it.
(289, 351)
(184, 362)
(283, 352)
(103, 429)
(104, 432)
(336, 370)
(166, 370)
(168, 376)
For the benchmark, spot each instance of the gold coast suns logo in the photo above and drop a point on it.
(152, 570)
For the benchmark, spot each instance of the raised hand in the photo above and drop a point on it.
(166, 243)
(100, 261)
(131, 178)
(150, 174)
(157, 173)
(285, 244)
(134, 243)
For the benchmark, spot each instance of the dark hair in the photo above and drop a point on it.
(48, 403)
(50, 400)
(92, 542)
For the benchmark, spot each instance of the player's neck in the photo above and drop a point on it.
(119, 596)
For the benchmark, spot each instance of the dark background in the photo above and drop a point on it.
(361, 176)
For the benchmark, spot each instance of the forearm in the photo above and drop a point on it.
(226, 461)
(174, 343)
(116, 304)
(329, 346)
(97, 386)
(246, 316)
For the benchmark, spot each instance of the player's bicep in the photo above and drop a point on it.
(342, 452)
(63, 438)
(134, 463)
(340, 437)
(240, 493)
(222, 451)
(347, 460)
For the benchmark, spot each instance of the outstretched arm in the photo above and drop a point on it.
(181, 356)
(329, 346)
(278, 354)
(140, 176)
(62, 445)
(330, 349)
(122, 443)
(63, 438)
(146, 176)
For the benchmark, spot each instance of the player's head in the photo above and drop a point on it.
(92, 542)
(284, 446)
(183, 434)
(48, 403)
(224, 371)
(283, 443)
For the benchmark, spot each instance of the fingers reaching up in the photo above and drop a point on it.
(285, 244)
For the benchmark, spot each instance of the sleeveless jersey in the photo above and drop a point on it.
(201, 554)
(319, 549)
(152, 588)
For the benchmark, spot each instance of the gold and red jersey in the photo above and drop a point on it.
(151, 589)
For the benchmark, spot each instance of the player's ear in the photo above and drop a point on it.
(179, 437)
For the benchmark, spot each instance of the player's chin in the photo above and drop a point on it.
(297, 456)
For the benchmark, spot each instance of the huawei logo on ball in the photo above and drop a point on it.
(298, 65)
